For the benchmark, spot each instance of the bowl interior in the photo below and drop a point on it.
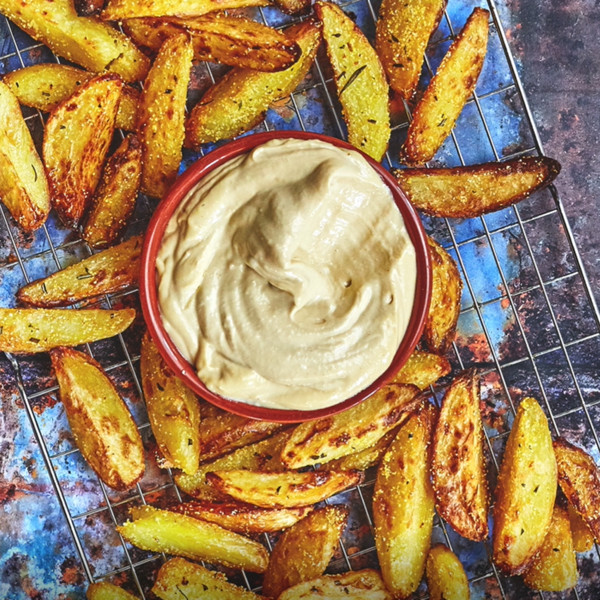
(149, 296)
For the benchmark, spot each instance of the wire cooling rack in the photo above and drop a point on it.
(528, 323)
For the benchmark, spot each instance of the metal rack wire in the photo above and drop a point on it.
(512, 359)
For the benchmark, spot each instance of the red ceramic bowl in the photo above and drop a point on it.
(149, 296)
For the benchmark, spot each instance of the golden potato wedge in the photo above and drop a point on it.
(221, 38)
(160, 530)
(103, 590)
(240, 100)
(354, 585)
(161, 114)
(242, 518)
(472, 191)
(86, 41)
(108, 271)
(457, 460)
(355, 429)
(178, 579)
(304, 550)
(293, 7)
(444, 310)
(114, 200)
(422, 369)
(446, 577)
(360, 81)
(555, 567)
(30, 330)
(117, 10)
(401, 35)
(46, 85)
(526, 490)
(579, 479)
(23, 184)
(403, 505)
(76, 141)
(173, 410)
(260, 456)
(583, 538)
(284, 489)
(447, 93)
(101, 423)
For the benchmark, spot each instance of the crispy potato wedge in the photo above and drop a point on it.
(114, 200)
(304, 550)
(221, 38)
(173, 410)
(444, 310)
(401, 35)
(103, 590)
(46, 85)
(579, 479)
(526, 490)
(555, 567)
(423, 369)
(101, 423)
(108, 271)
(160, 530)
(583, 538)
(293, 7)
(118, 10)
(403, 505)
(76, 141)
(23, 184)
(446, 577)
(87, 8)
(86, 41)
(161, 114)
(457, 460)
(354, 585)
(472, 191)
(447, 93)
(240, 100)
(30, 330)
(178, 579)
(360, 81)
(350, 431)
(242, 518)
(284, 489)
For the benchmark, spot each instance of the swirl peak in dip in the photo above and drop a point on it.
(287, 277)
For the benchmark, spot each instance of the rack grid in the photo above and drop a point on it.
(528, 322)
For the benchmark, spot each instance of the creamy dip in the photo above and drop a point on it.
(287, 277)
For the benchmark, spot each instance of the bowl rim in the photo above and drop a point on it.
(149, 295)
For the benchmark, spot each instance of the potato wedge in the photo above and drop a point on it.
(101, 423)
(242, 518)
(86, 41)
(457, 460)
(240, 100)
(87, 8)
(44, 86)
(579, 479)
(23, 184)
(444, 310)
(401, 35)
(583, 538)
(555, 567)
(161, 114)
(446, 577)
(103, 590)
(354, 585)
(30, 330)
(282, 490)
(160, 530)
(360, 81)
(526, 490)
(293, 7)
(173, 410)
(355, 429)
(76, 141)
(118, 10)
(114, 200)
(221, 38)
(447, 93)
(304, 550)
(178, 579)
(108, 271)
(403, 505)
(422, 369)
